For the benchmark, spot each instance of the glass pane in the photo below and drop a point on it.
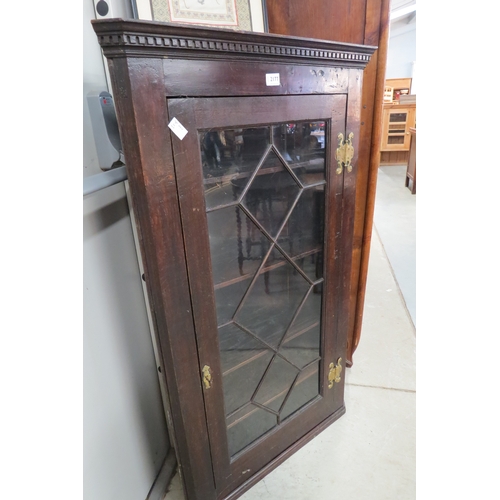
(304, 348)
(269, 323)
(305, 390)
(276, 384)
(271, 194)
(237, 246)
(302, 145)
(238, 348)
(270, 305)
(302, 236)
(252, 424)
(227, 299)
(229, 156)
(240, 383)
(308, 316)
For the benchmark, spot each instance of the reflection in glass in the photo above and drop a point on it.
(264, 192)
(270, 305)
(237, 348)
(244, 361)
(276, 384)
(237, 246)
(302, 235)
(304, 348)
(229, 156)
(309, 315)
(302, 145)
(251, 424)
(306, 389)
(227, 299)
(271, 194)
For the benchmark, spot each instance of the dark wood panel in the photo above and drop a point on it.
(154, 194)
(223, 78)
(342, 21)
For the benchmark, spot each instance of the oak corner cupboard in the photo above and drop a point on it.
(241, 154)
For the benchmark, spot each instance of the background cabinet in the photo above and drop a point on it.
(399, 115)
(242, 157)
(398, 119)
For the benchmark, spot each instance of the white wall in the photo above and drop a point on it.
(402, 50)
(125, 436)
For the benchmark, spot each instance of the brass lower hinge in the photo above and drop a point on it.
(207, 376)
(344, 153)
(334, 373)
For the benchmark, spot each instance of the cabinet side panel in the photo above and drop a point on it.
(138, 86)
(364, 229)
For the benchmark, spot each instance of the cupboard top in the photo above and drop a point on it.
(134, 38)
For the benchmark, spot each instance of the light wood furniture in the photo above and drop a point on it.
(396, 123)
(400, 86)
(242, 157)
(365, 22)
(411, 169)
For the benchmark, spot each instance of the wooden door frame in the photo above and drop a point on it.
(213, 113)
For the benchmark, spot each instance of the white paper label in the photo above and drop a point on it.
(177, 128)
(272, 79)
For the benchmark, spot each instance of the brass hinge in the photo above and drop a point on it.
(334, 373)
(207, 376)
(344, 153)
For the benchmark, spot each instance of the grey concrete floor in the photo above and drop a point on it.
(395, 222)
(370, 452)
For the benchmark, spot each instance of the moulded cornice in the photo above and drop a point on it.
(133, 38)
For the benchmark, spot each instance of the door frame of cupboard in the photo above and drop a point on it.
(150, 63)
(228, 112)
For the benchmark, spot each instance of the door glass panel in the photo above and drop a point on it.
(240, 245)
(276, 383)
(306, 389)
(250, 424)
(228, 158)
(270, 305)
(244, 362)
(300, 239)
(271, 194)
(265, 215)
(302, 145)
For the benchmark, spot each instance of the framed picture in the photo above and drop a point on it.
(245, 15)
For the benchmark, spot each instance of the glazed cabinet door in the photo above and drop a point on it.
(262, 218)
